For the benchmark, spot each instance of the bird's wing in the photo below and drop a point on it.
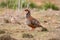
(35, 22)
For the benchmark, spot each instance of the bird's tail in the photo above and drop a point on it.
(43, 28)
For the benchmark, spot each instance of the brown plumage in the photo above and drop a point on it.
(32, 22)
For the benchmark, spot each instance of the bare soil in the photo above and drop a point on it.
(50, 19)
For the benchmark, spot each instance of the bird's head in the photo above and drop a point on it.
(27, 11)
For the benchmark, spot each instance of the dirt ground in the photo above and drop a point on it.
(52, 23)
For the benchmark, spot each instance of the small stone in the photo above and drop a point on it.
(45, 21)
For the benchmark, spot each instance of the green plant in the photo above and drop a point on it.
(54, 7)
(33, 5)
(24, 5)
(3, 4)
(49, 6)
(12, 4)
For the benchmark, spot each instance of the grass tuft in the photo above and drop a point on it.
(13, 4)
(3, 4)
(49, 6)
(7, 37)
(27, 36)
(2, 31)
(33, 5)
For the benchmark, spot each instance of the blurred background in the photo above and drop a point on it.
(39, 4)
(47, 12)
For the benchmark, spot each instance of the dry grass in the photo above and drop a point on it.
(6, 37)
(53, 21)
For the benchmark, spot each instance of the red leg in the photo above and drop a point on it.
(32, 27)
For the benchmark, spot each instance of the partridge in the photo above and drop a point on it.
(32, 22)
